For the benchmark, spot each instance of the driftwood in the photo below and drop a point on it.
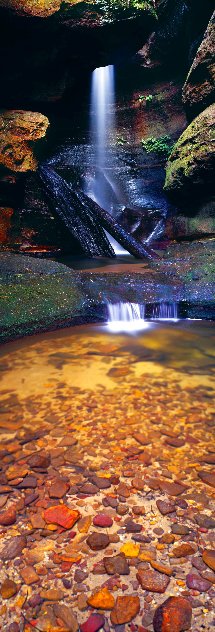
(87, 221)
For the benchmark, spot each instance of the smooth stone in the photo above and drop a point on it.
(208, 557)
(180, 529)
(94, 623)
(183, 550)
(8, 517)
(207, 522)
(8, 589)
(207, 477)
(97, 541)
(102, 520)
(196, 582)
(165, 507)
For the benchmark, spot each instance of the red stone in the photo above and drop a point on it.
(173, 615)
(102, 520)
(61, 515)
(94, 623)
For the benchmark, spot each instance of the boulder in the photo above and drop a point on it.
(199, 88)
(18, 129)
(190, 165)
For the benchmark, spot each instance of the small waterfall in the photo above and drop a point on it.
(165, 311)
(102, 188)
(126, 317)
(133, 316)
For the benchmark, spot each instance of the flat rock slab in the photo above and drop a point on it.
(153, 581)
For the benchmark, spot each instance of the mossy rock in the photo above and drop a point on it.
(191, 163)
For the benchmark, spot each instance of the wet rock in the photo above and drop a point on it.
(13, 548)
(207, 477)
(116, 565)
(196, 582)
(207, 522)
(126, 608)
(180, 529)
(172, 489)
(52, 594)
(98, 541)
(208, 557)
(132, 527)
(8, 517)
(29, 575)
(102, 520)
(58, 489)
(61, 515)
(94, 623)
(8, 589)
(102, 599)
(183, 550)
(101, 483)
(67, 616)
(173, 615)
(28, 482)
(165, 507)
(153, 580)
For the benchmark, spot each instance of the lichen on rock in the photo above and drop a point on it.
(191, 163)
(18, 128)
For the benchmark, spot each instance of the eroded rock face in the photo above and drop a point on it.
(17, 128)
(199, 88)
(190, 165)
(41, 8)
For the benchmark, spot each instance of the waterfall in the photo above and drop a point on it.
(165, 311)
(126, 317)
(103, 189)
(133, 316)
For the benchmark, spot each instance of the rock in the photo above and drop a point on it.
(130, 549)
(180, 529)
(153, 580)
(102, 599)
(132, 527)
(207, 477)
(123, 490)
(29, 575)
(189, 168)
(173, 615)
(183, 550)
(165, 507)
(8, 517)
(93, 624)
(67, 616)
(88, 489)
(175, 442)
(97, 541)
(116, 565)
(8, 589)
(39, 461)
(126, 608)
(171, 488)
(196, 582)
(52, 594)
(208, 557)
(61, 515)
(102, 520)
(13, 548)
(58, 489)
(199, 88)
(100, 482)
(207, 522)
(18, 129)
(162, 568)
(84, 524)
(138, 483)
(28, 482)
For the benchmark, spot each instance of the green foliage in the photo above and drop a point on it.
(120, 140)
(145, 98)
(162, 145)
(108, 11)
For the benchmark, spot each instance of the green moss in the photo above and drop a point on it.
(161, 145)
(107, 11)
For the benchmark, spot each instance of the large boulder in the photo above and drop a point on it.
(18, 130)
(191, 163)
(199, 88)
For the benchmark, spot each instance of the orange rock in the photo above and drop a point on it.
(162, 568)
(209, 558)
(183, 550)
(173, 615)
(61, 515)
(8, 589)
(29, 575)
(126, 608)
(102, 599)
(130, 549)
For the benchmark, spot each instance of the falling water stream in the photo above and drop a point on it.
(103, 188)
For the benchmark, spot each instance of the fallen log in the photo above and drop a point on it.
(77, 217)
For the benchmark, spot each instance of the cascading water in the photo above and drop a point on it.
(133, 316)
(126, 317)
(102, 188)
